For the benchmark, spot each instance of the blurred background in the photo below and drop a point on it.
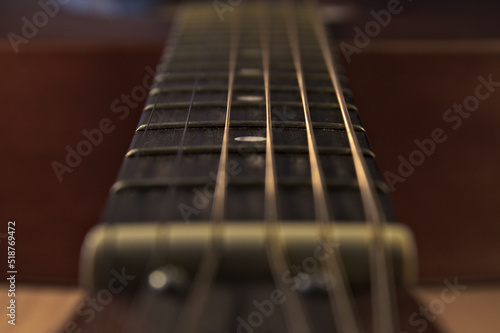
(62, 66)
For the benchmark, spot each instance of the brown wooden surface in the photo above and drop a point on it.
(126, 314)
(40, 308)
(47, 309)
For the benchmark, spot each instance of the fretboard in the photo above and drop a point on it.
(170, 171)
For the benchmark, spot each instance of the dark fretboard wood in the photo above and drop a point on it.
(160, 182)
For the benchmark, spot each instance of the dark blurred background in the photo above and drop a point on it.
(65, 77)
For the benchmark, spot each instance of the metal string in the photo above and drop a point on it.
(146, 299)
(295, 316)
(191, 312)
(382, 281)
(341, 302)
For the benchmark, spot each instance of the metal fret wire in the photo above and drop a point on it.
(383, 303)
(192, 309)
(338, 291)
(295, 316)
(320, 105)
(244, 123)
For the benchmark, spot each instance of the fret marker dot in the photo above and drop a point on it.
(250, 98)
(250, 138)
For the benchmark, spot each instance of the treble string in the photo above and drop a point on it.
(382, 280)
(341, 301)
(196, 300)
(295, 316)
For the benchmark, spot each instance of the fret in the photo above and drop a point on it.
(246, 79)
(219, 65)
(138, 152)
(217, 88)
(285, 114)
(279, 46)
(248, 54)
(240, 123)
(279, 104)
(244, 181)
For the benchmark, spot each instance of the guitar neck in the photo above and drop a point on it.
(249, 146)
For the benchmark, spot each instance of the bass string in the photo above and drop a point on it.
(145, 300)
(382, 280)
(145, 297)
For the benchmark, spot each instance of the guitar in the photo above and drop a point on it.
(249, 199)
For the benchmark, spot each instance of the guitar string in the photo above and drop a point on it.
(146, 301)
(341, 302)
(382, 281)
(191, 311)
(178, 27)
(201, 53)
(295, 316)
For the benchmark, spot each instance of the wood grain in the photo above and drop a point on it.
(41, 309)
